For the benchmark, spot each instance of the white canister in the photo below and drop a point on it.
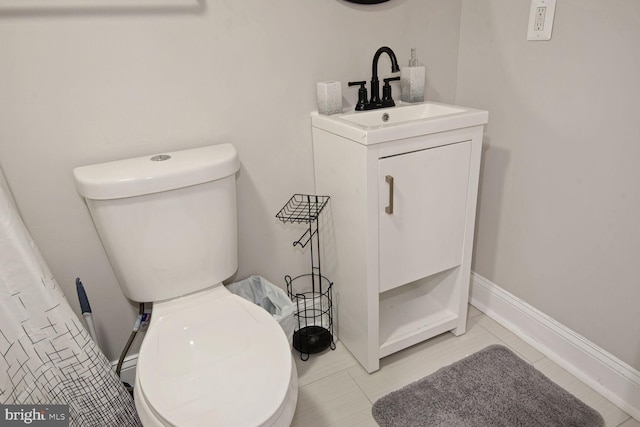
(329, 97)
(412, 79)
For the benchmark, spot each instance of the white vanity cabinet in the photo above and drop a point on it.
(423, 198)
(400, 226)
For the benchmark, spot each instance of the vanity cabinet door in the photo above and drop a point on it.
(423, 234)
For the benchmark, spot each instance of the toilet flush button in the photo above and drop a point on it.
(160, 158)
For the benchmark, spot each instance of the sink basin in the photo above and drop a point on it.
(405, 113)
(399, 122)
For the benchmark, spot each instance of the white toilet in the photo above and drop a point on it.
(209, 357)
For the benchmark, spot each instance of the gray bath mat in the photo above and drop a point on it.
(492, 387)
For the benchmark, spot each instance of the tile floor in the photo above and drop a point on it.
(336, 391)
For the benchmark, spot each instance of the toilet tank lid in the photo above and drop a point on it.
(156, 173)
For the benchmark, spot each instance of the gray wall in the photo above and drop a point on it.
(82, 88)
(559, 209)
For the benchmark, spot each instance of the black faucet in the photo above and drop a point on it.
(376, 102)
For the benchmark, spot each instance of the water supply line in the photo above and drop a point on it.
(141, 321)
(142, 317)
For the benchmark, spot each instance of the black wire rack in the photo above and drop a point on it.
(302, 208)
(310, 293)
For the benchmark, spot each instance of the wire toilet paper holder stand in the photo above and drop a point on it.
(310, 293)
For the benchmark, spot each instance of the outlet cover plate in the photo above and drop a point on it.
(541, 19)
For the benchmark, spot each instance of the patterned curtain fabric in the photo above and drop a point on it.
(46, 354)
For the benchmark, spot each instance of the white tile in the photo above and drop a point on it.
(416, 362)
(332, 401)
(473, 312)
(322, 364)
(510, 339)
(612, 415)
(361, 419)
(630, 423)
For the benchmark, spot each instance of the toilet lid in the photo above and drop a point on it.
(218, 361)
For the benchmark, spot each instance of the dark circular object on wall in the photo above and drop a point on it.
(367, 1)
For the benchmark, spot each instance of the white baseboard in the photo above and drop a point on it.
(128, 369)
(608, 375)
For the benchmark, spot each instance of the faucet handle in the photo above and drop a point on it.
(362, 94)
(386, 89)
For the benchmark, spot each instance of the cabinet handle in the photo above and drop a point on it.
(389, 180)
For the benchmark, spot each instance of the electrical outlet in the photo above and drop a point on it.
(538, 25)
(541, 19)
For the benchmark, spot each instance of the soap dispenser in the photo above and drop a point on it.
(412, 79)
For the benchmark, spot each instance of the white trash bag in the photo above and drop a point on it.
(260, 291)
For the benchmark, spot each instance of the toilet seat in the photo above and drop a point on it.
(213, 358)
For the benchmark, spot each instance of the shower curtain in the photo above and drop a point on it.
(46, 354)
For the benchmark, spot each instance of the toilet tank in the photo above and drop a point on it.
(167, 222)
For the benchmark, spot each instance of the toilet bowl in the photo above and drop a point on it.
(168, 225)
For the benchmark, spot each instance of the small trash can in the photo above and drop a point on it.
(260, 291)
